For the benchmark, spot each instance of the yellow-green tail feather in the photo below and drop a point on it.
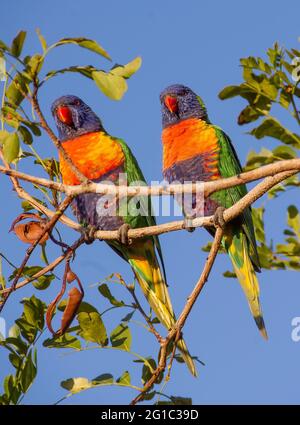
(144, 263)
(237, 248)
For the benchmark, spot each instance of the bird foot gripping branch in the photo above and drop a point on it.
(219, 218)
(187, 224)
(88, 234)
(123, 234)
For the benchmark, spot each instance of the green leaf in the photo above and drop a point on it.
(284, 152)
(76, 385)
(104, 290)
(229, 274)
(121, 337)
(10, 145)
(17, 344)
(229, 92)
(15, 360)
(271, 127)
(124, 379)
(293, 219)
(83, 70)
(176, 400)
(3, 46)
(17, 44)
(16, 90)
(14, 331)
(128, 316)
(113, 86)
(256, 63)
(258, 219)
(43, 282)
(92, 328)
(65, 341)
(34, 65)
(32, 319)
(104, 379)
(42, 40)
(148, 368)
(181, 401)
(126, 71)
(86, 44)
(25, 135)
(28, 373)
(254, 159)
(284, 99)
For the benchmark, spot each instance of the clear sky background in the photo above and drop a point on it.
(199, 44)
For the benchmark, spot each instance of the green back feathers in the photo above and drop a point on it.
(134, 174)
(229, 165)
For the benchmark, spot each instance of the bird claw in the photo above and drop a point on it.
(187, 225)
(88, 234)
(123, 234)
(219, 218)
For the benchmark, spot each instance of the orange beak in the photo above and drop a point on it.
(65, 115)
(171, 104)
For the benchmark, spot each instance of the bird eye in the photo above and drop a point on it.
(77, 102)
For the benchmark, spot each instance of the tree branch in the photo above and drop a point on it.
(159, 190)
(176, 329)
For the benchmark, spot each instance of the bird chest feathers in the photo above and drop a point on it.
(191, 146)
(94, 154)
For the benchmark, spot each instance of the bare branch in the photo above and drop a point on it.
(176, 329)
(159, 190)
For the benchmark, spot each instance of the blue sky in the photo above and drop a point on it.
(198, 44)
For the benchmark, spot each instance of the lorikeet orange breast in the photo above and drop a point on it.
(103, 158)
(100, 158)
(195, 150)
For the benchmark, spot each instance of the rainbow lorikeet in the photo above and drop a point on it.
(103, 158)
(196, 150)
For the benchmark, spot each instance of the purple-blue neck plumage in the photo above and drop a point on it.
(74, 118)
(179, 103)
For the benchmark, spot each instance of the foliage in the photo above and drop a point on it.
(271, 85)
(20, 344)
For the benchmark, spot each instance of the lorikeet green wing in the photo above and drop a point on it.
(239, 239)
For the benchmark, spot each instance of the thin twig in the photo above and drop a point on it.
(176, 329)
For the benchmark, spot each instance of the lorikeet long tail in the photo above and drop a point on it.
(144, 263)
(235, 243)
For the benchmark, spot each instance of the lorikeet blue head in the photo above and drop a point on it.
(73, 117)
(179, 103)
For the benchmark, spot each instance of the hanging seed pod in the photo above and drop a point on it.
(73, 304)
(29, 232)
(75, 297)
